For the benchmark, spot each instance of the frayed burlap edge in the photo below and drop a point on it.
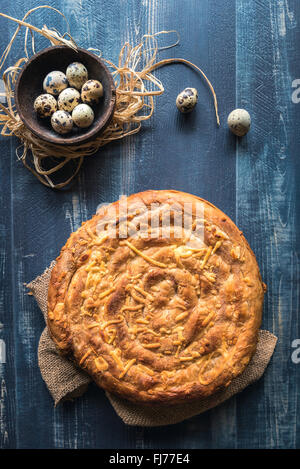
(156, 415)
(65, 381)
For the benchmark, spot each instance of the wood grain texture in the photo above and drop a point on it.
(266, 204)
(249, 51)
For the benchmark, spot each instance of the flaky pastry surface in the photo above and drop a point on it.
(170, 316)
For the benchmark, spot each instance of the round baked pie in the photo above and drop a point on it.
(158, 297)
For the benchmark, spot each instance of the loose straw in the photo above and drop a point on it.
(136, 87)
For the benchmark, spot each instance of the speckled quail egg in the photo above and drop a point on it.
(239, 122)
(77, 74)
(45, 105)
(68, 99)
(187, 100)
(83, 115)
(62, 122)
(55, 82)
(91, 92)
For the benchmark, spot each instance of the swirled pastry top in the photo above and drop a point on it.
(158, 297)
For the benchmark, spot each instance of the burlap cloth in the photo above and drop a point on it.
(65, 381)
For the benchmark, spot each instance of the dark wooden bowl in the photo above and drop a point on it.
(30, 85)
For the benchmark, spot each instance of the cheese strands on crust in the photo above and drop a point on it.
(158, 313)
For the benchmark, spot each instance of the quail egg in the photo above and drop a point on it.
(45, 105)
(83, 115)
(62, 122)
(68, 99)
(91, 92)
(77, 74)
(239, 122)
(187, 100)
(55, 82)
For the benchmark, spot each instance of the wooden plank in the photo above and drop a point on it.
(267, 208)
(8, 431)
(31, 222)
(38, 212)
(7, 370)
(179, 151)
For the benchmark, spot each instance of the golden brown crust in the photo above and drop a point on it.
(160, 317)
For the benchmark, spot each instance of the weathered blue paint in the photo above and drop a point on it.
(266, 175)
(249, 51)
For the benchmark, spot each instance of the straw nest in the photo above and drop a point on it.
(136, 87)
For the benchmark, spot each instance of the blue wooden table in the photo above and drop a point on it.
(250, 51)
